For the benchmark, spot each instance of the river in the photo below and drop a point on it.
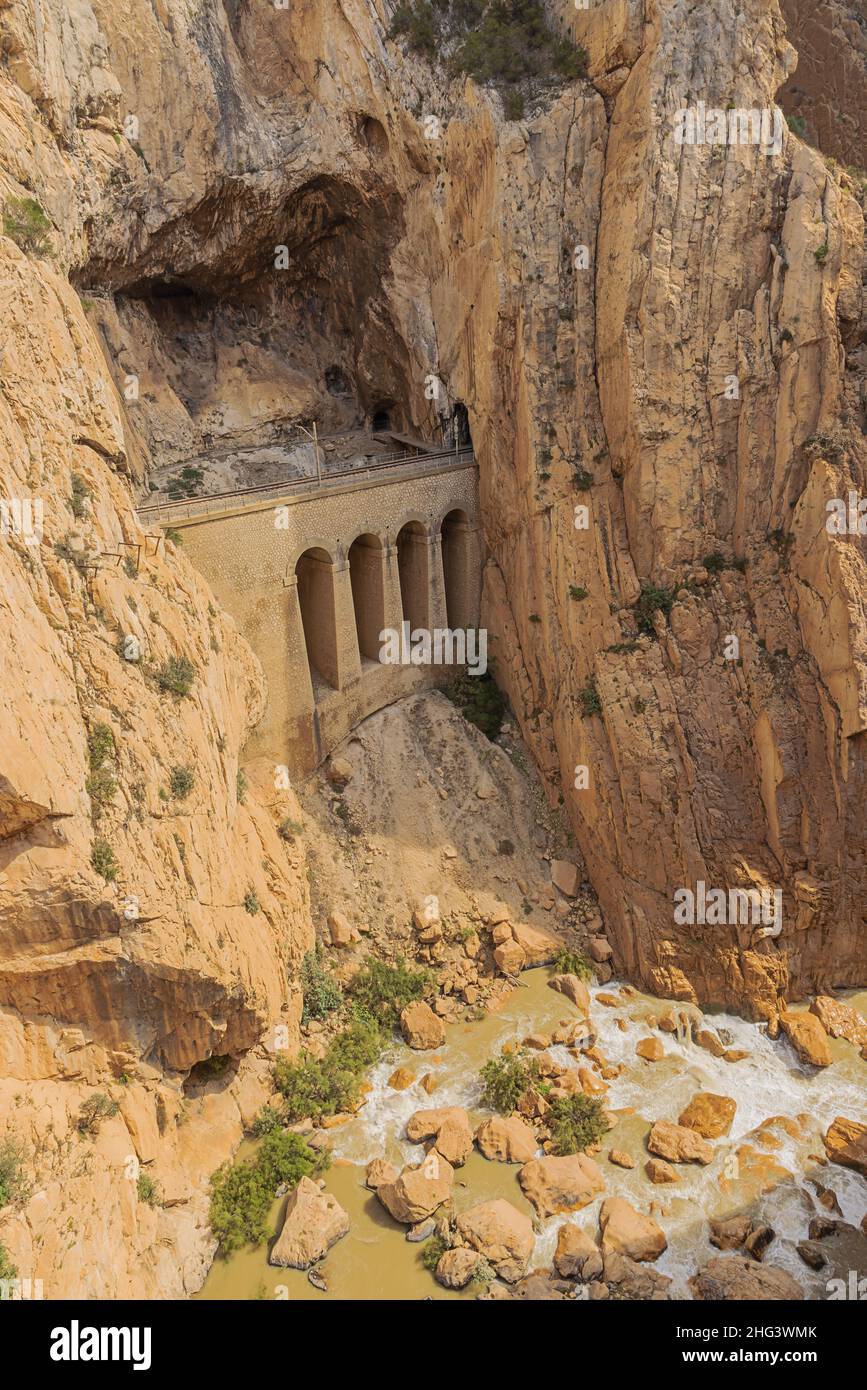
(375, 1261)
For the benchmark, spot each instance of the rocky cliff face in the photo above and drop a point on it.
(827, 93)
(268, 213)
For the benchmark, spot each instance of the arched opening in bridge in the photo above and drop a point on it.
(368, 593)
(413, 563)
(456, 568)
(315, 576)
(461, 436)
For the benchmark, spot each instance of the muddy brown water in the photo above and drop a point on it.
(375, 1260)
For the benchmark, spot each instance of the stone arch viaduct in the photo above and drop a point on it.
(314, 572)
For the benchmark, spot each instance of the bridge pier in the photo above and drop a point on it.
(461, 550)
(312, 580)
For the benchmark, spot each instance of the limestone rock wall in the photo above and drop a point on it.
(828, 89)
(456, 248)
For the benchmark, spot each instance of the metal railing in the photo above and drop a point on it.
(437, 461)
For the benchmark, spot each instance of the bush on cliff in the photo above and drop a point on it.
(479, 700)
(14, 1187)
(25, 223)
(321, 995)
(506, 44)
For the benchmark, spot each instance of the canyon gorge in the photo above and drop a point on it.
(245, 242)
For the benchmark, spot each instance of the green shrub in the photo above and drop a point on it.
(181, 782)
(577, 592)
(64, 550)
(479, 700)
(433, 1250)
(242, 1193)
(14, 1186)
(575, 1122)
(26, 224)
(715, 563)
(7, 1269)
(513, 104)
(176, 675)
(251, 902)
(568, 962)
(187, 483)
(582, 479)
(821, 253)
(330, 1085)
(100, 787)
(651, 600)
(148, 1190)
(289, 828)
(588, 699)
(100, 745)
(797, 125)
(79, 499)
(506, 44)
(382, 990)
(174, 535)
(266, 1122)
(417, 23)
(505, 1079)
(95, 1109)
(241, 784)
(321, 995)
(103, 861)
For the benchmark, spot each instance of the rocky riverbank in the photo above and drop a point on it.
(713, 1178)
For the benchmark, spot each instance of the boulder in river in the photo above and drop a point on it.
(577, 1255)
(620, 1158)
(501, 1233)
(574, 989)
(731, 1232)
(737, 1278)
(379, 1171)
(457, 1267)
(420, 1026)
(659, 1171)
(678, 1144)
(448, 1126)
(807, 1037)
(630, 1280)
(840, 1020)
(507, 1140)
(846, 1143)
(419, 1190)
(627, 1232)
(314, 1221)
(709, 1115)
(561, 1184)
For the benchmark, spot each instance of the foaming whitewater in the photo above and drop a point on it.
(770, 1081)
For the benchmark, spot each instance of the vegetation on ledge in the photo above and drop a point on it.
(506, 44)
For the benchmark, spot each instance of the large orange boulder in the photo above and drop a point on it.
(561, 1184)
